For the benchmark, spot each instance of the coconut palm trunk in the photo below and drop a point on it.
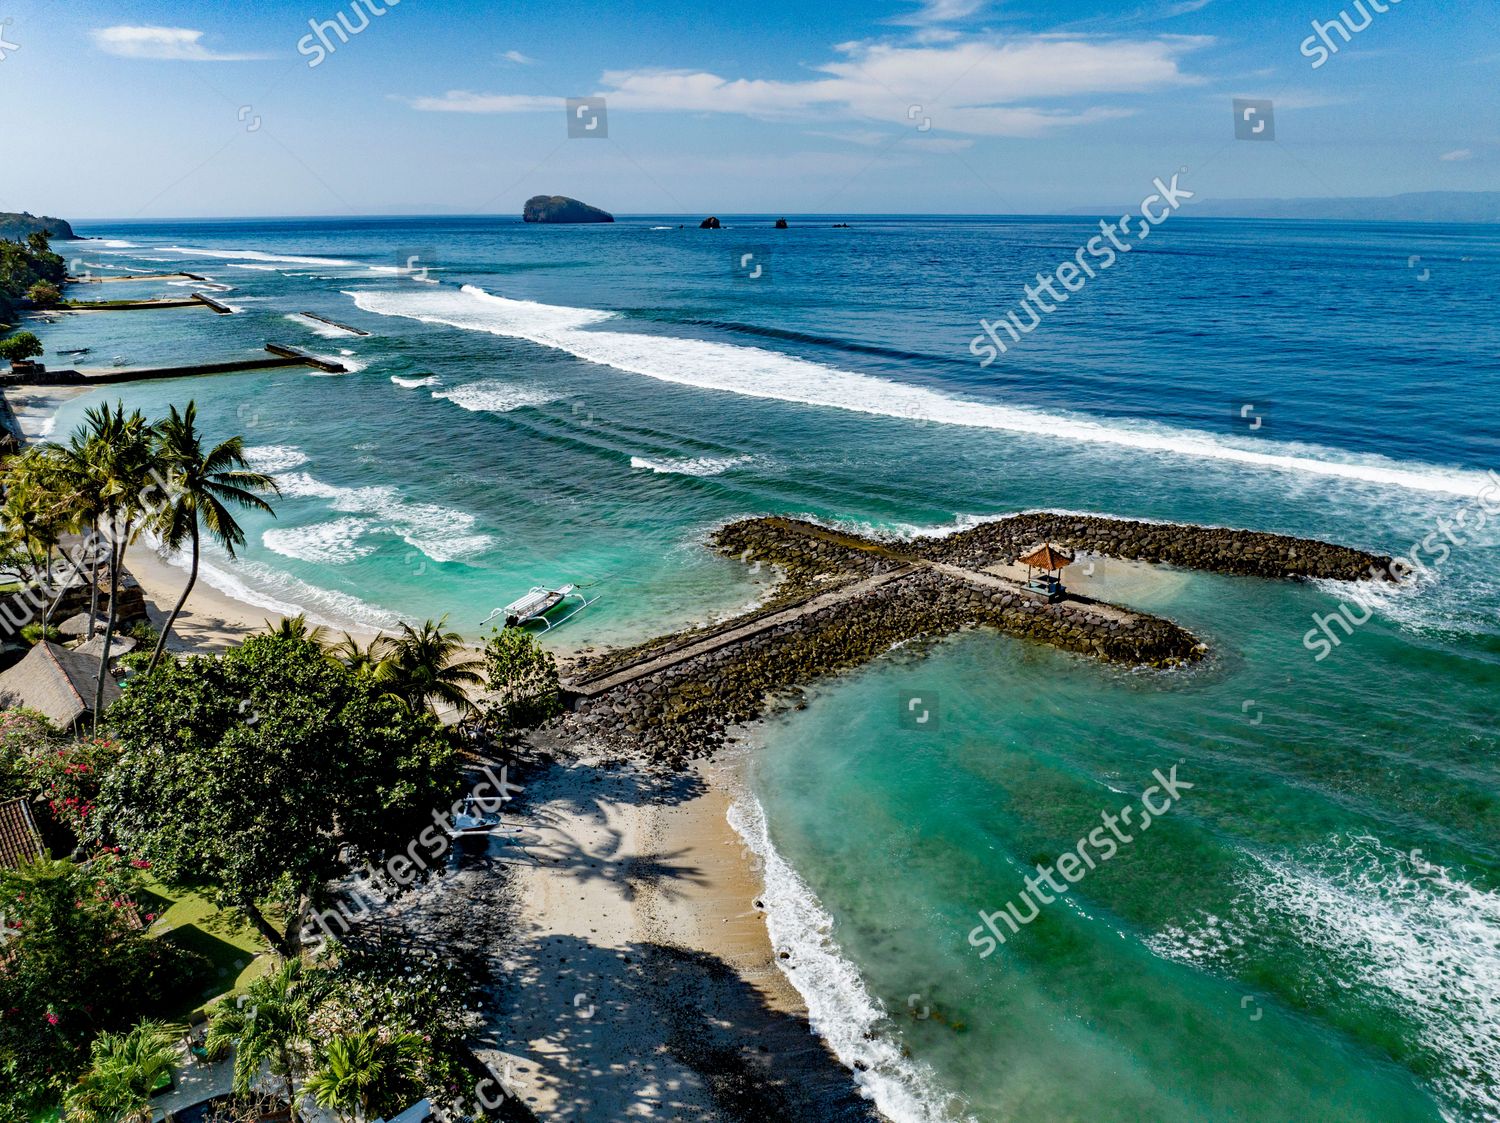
(117, 561)
(166, 628)
(93, 591)
(202, 487)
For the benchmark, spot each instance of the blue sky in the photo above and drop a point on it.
(155, 110)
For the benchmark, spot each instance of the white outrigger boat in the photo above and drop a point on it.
(536, 604)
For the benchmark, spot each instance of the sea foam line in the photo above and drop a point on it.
(229, 578)
(839, 1006)
(758, 373)
(690, 465)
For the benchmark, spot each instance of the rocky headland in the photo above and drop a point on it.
(18, 226)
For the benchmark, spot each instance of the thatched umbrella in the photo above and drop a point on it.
(1048, 557)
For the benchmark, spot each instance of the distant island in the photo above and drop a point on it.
(1419, 206)
(17, 227)
(561, 209)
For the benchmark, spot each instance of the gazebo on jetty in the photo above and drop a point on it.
(1052, 562)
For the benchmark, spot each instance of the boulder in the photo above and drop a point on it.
(781, 224)
(710, 224)
(561, 209)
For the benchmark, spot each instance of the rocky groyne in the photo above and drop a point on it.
(676, 710)
(844, 599)
(1244, 553)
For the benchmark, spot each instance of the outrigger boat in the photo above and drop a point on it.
(536, 604)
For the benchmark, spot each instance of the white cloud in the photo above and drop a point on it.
(1458, 154)
(176, 44)
(941, 11)
(977, 86)
(518, 58)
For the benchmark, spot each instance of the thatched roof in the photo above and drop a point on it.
(75, 626)
(1048, 558)
(56, 682)
(119, 645)
(19, 838)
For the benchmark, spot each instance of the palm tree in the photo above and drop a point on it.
(200, 485)
(363, 1074)
(268, 1029)
(120, 464)
(124, 1070)
(76, 476)
(297, 628)
(40, 507)
(425, 667)
(361, 660)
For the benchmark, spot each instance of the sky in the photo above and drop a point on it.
(117, 110)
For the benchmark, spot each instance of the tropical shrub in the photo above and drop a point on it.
(78, 964)
(523, 683)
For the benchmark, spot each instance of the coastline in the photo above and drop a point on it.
(211, 621)
(645, 980)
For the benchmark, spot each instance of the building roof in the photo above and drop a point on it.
(19, 838)
(1047, 557)
(57, 683)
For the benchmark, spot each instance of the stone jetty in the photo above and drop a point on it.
(844, 599)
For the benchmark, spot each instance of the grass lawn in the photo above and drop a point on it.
(235, 952)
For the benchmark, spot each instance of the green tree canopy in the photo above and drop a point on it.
(44, 294)
(523, 685)
(267, 773)
(21, 346)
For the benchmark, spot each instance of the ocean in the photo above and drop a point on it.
(1312, 932)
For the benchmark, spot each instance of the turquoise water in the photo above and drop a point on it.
(1313, 932)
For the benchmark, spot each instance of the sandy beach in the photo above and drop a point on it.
(640, 982)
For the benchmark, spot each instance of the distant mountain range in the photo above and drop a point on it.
(1421, 206)
(15, 227)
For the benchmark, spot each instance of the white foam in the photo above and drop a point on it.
(840, 1008)
(495, 397)
(758, 373)
(690, 466)
(413, 383)
(257, 255)
(320, 606)
(318, 327)
(275, 458)
(256, 268)
(441, 533)
(1416, 939)
(345, 359)
(117, 244)
(331, 543)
